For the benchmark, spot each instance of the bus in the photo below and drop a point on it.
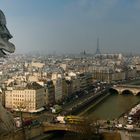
(74, 120)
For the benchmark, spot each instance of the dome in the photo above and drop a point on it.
(2, 18)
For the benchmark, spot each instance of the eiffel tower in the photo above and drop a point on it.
(97, 50)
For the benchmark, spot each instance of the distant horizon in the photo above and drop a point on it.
(73, 26)
(80, 53)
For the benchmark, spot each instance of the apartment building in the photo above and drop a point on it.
(28, 99)
(58, 89)
(49, 93)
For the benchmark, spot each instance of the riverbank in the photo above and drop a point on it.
(80, 107)
(123, 119)
(113, 106)
(131, 82)
(94, 104)
(126, 112)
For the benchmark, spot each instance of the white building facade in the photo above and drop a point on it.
(27, 100)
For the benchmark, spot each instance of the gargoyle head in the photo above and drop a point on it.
(5, 44)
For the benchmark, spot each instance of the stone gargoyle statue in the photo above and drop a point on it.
(6, 119)
(5, 44)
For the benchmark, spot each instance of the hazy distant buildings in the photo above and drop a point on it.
(108, 74)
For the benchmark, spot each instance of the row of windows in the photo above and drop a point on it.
(25, 100)
(16, 95)
(24, 92)
(29, 95)
(18, 99)
(27, 106)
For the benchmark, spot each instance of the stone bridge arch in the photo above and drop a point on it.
(127, 91)
(138, 93)
(113, 90)
(123, 89)
(82, 129)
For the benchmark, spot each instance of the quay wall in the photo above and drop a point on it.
(94, 104)
(97, 98)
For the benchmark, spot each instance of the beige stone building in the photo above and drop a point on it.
(27, 99)
(37, 64)
(108, 74)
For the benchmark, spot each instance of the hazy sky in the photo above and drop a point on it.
(71, 26)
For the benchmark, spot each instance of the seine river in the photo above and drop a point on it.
(110, 108)
(113, 106)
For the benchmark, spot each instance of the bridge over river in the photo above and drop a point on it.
(77, 128)
(134, 89)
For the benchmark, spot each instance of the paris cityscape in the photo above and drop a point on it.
(69, 70)
(48, 89)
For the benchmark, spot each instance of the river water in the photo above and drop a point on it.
(110, 108)
(113, 106)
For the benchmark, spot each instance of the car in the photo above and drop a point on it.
(129, 127)
(130, 121)
(119, 126)
(129, 118)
